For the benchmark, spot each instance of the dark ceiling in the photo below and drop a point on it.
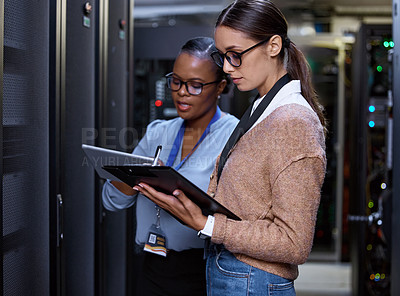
(145, 9)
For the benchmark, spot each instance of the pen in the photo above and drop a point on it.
(157, 155)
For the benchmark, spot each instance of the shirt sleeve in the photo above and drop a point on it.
(115, 200)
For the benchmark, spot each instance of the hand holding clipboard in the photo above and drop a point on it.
(166, 179)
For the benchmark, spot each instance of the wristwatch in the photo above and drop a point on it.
(207, 231)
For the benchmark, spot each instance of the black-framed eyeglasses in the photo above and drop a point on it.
(234, 58)
(193, 87)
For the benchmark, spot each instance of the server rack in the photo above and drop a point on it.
(1, 134)
(114, 232)
(75, 122)
(370, 171)
(50, 71)
(24, 138)
(395, 263)
(93, 103)
(24, 125)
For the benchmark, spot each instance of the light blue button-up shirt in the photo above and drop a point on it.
(197, 168)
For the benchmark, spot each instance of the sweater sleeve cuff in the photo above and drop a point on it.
(218, 234)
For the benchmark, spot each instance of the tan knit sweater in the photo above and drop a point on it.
(272, 181)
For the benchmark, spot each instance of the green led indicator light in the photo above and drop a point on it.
(388, 44)
(379, 68)
(371, 204)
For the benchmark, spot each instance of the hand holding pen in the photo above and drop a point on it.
(157, 155)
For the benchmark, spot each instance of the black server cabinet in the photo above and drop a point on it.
(395, 285)
(1, 134)
(370, 161)
(72, 122)
(114, 233)
(91, 81)
(60, 86)
(76, 125)
(24, 72)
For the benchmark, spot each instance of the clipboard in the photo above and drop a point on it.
(99, 157)
(166, 179)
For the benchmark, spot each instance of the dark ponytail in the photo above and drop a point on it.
(299, 69)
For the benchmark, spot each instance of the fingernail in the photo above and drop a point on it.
(176, 193)
(135, 188)
(141, 185)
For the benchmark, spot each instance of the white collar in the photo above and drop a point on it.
(290, 93)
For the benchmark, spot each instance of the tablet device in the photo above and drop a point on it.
(166, 179)
(99, 157)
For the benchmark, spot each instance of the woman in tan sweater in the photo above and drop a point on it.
(271, 171)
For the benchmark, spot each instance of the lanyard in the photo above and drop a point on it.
(179, 138)
(247, 121)
(175, 149)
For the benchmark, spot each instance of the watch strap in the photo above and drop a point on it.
(207, 231)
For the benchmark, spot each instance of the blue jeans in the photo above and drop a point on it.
(228, 276)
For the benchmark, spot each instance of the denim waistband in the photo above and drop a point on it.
(212, 249)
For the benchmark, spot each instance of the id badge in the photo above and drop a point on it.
(156, 241)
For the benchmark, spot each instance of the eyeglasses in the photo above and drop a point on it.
(234, 58)
(193, 87)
